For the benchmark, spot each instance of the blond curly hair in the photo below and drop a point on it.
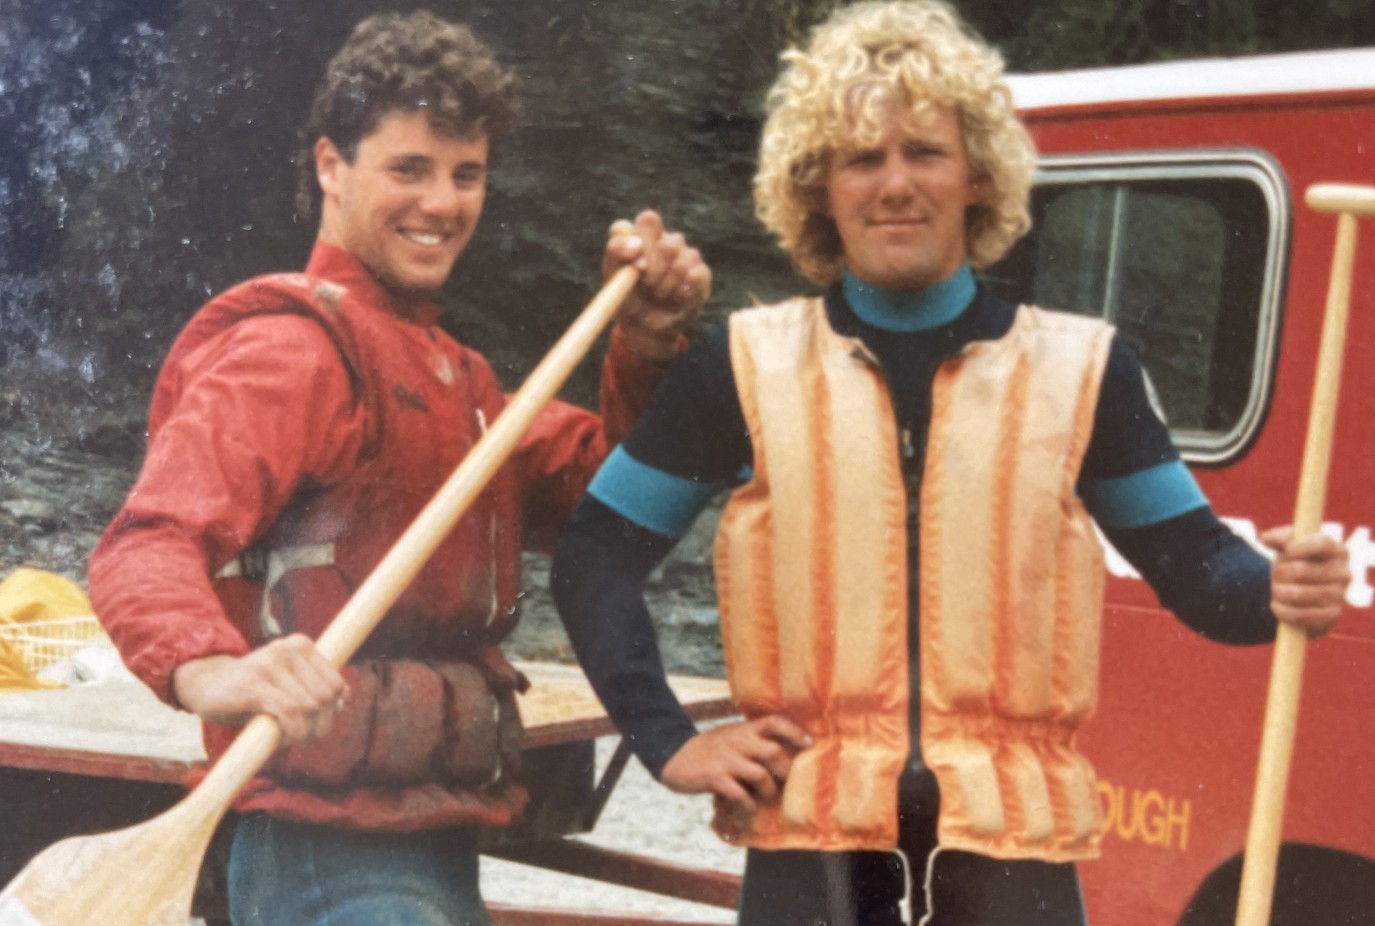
(837, 93)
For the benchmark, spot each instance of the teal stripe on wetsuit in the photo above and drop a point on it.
(655, 500)
(668, 504)
(1145, 497)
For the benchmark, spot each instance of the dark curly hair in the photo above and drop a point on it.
(413, 62)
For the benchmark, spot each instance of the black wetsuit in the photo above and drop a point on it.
(692, 442)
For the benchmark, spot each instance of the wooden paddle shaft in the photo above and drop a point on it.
(146, 875)
(1286, 672)
(1356, 199)
(394, 573)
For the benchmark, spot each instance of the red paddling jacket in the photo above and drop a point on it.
(299, 424)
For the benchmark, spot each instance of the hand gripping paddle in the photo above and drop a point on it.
(1286, 672)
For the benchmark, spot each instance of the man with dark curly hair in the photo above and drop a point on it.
(907, 569)
(299, 423)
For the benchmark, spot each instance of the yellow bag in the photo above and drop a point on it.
(29, 595)
(43, 618)
(14, 675)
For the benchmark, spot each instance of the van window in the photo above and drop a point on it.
(1183, 259)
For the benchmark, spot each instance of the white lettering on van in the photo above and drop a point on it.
(1359, 594)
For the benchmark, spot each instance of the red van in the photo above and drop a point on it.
(1170, 201)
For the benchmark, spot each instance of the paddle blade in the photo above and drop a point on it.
(141, 876)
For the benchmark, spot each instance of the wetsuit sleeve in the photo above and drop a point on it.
(688, 446)
(251, 415)
(566, 444)
(1148, 505)
(598, 581)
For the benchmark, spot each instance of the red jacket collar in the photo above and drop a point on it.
(330, 262)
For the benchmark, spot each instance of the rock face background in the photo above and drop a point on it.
(153, 147)
(150, 164)
(146, 162)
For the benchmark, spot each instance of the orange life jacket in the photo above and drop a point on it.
(811, 565)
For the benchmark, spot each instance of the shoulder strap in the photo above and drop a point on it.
(284, 294)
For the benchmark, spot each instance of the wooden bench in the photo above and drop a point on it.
(98, 757)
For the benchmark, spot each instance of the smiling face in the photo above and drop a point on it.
(899, 206)
(408, 203)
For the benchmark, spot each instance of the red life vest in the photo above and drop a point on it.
(430, 735)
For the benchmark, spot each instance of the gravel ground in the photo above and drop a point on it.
(642, 817)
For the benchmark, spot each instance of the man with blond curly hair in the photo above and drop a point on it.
(300, 422)
(909, 579)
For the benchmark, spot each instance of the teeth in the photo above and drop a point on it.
(423, 238)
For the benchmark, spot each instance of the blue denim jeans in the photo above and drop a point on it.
(295, 874)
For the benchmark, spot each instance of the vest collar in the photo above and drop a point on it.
(333, 263)
(907, 311)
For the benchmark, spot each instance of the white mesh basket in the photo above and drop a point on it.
(41, 643)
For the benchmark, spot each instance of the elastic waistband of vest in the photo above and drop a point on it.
(989, 727)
